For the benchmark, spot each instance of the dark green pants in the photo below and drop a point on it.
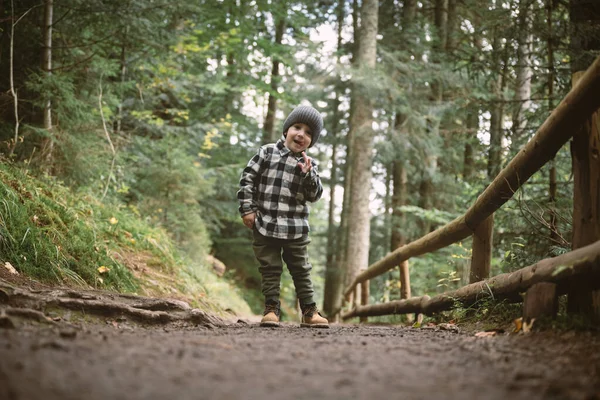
(272, 253)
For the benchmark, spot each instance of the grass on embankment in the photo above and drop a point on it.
(51, 235)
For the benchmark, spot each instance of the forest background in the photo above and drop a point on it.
(125, 126)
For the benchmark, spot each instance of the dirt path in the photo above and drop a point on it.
(76, 356)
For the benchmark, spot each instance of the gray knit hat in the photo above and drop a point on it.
(306, 115)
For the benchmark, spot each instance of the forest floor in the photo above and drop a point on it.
(71, 344)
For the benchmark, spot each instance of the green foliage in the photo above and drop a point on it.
(47, 237)
(54, 236)
(165, 183)
(60, 89)
(485, 314)
(437, 217)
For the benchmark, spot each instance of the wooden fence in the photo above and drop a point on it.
(577, 106)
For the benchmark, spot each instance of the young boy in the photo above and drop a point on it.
(274, 189)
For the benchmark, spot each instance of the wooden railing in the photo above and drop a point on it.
(578, 105)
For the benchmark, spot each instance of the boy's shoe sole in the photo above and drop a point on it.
(321, 326)
(269, 324)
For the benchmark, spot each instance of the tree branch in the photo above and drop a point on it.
(74, 64)
(12, 78)
(112, 148)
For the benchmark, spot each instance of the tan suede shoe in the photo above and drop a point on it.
(270, 320)
(311, 318)
(270, 316)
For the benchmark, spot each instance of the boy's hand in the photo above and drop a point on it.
(306, 166)
(249, 220)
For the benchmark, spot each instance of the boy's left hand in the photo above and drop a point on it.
(306, 166)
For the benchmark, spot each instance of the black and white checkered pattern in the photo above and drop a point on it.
(273, 186)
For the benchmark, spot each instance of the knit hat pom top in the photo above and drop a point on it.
(306, 115)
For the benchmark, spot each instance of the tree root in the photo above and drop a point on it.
(33, 305)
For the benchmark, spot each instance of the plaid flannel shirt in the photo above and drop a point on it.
(273, 186)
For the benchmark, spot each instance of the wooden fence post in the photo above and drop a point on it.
(405, 292)
(364, 298)
(404, 280)
(585, 147)
(481, 258)
(540, 300)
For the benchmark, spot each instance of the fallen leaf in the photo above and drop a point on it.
(518, 325)
(102, 269)
(528, 326)
(10, 268)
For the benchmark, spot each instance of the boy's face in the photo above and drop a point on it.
(298, 137)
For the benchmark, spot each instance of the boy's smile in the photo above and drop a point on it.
(298, 137)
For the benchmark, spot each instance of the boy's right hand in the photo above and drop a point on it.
(249, 220)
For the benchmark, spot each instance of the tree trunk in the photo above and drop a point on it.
(343, 229)
(448, 121)
(230, 96)
(355, 29)
(398, 200)
(234, 58)
(497, 111)
(333, 272)
(400, 181)
(426, 190)
(472, 118)
(495, 152)
(269, 135)
(123, 70)
(430, 163)
(409, 13)
(452, 34)
(362, 148)
(472, 128)
(399, 176)
(554, 236)
(333, 282)
(523, 82)
(585, 147)
(48, 145)
(441, 22)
